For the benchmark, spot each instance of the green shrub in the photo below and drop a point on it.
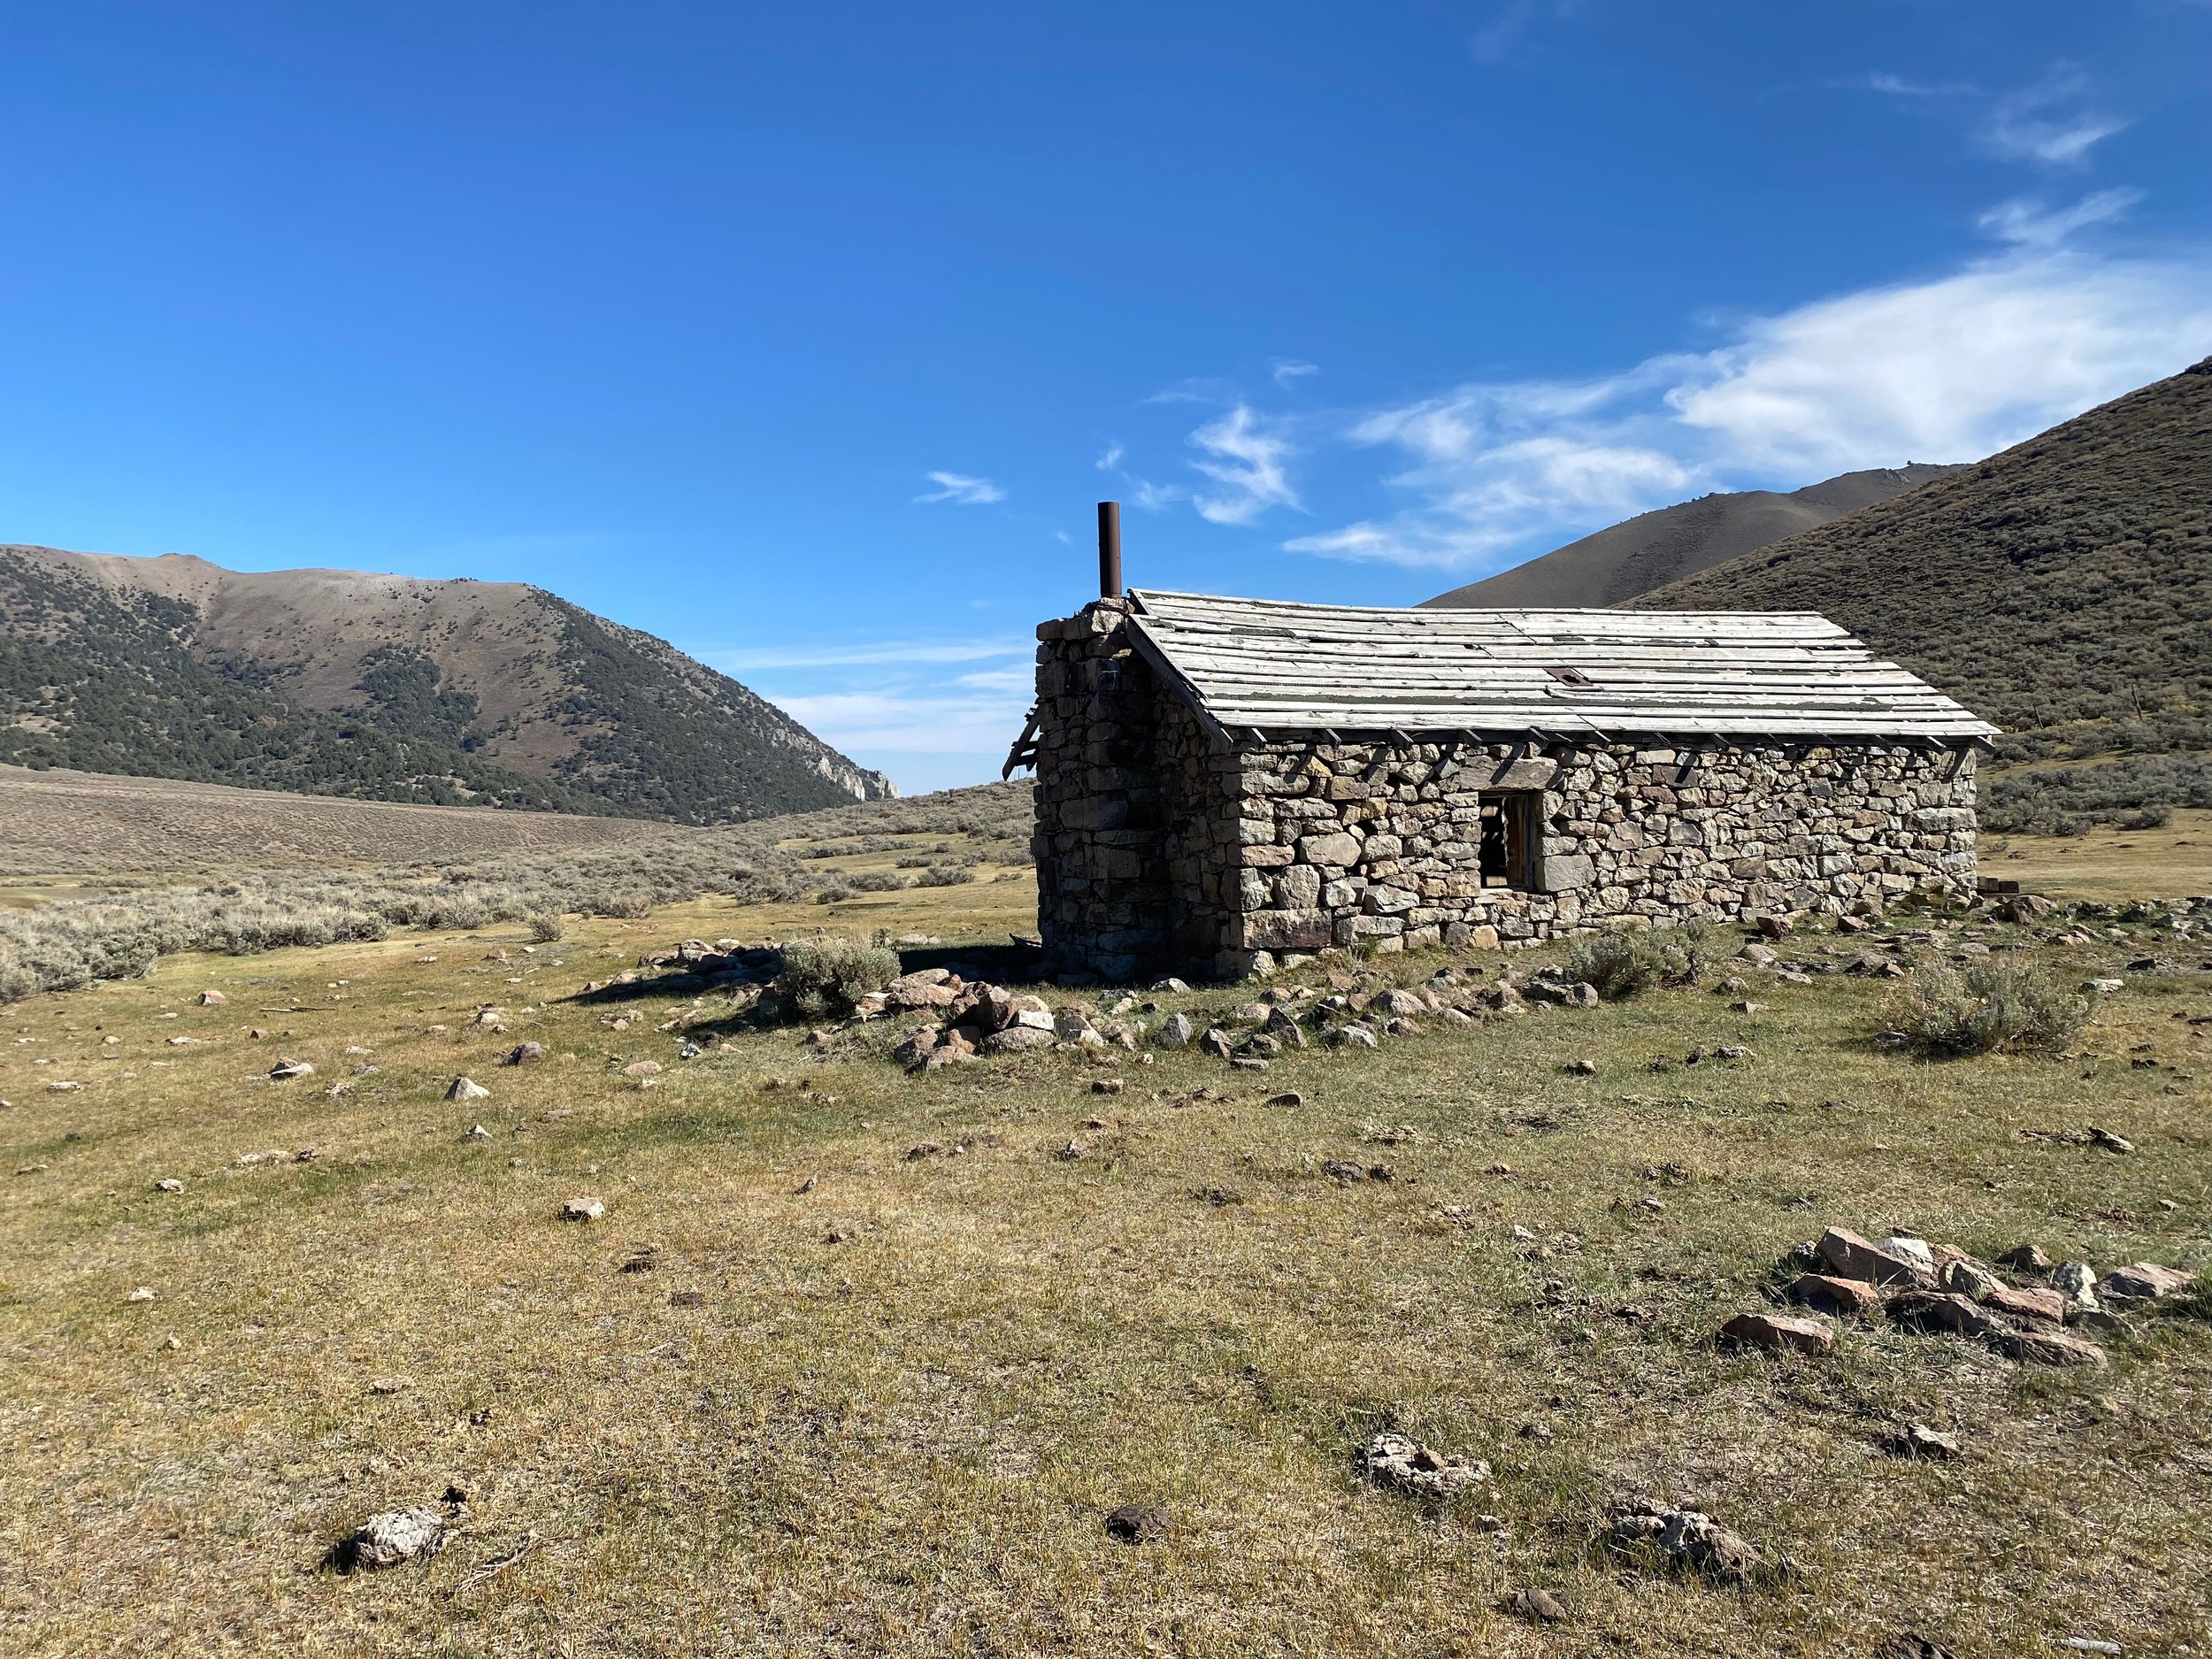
(546, 926)
(2000, 1005)
(877, 881)
(946, 876)
(817, 979)
(1621, 962)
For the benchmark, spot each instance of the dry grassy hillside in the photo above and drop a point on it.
(76, 823)
(2062, 588)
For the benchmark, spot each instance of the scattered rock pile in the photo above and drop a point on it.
(978, 1018)
(1940, 1288)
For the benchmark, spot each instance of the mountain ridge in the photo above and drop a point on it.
(1612, 566)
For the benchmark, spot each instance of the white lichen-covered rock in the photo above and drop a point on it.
(468, 1088)
(1686, 1539)
(583, 1210)
(1399, 1461)
(396, 1537)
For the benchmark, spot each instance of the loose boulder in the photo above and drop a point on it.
(1851, 1257)
(468, 1088)
(1780, 1333)
(2143, 1281)
(1824, 1293)
(2048, 1348)
(1940, 1310)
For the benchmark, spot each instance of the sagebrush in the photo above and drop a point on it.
(2001, 1004)
(1621, 962)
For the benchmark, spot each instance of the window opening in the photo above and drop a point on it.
(1506, 842)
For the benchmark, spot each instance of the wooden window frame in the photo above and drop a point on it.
(1517, 812)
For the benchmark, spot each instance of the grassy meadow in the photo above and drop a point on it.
(856, 1363)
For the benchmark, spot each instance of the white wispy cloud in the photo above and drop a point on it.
(2051, 122)
(962, 490)
(2031, 223)
(1109, 458)
(1898, 87)
(1287, 369)
(1247, 462)
(1494, 41)
(1950, 369)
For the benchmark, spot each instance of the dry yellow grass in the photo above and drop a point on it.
(83, 826)
(867, 1401)
(2110, 864)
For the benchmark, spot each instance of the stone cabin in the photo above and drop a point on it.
(1220, 781)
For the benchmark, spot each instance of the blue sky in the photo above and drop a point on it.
(806, 336)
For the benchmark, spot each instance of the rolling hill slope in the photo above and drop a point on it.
(1655, 548)
(386, 687)
(2062, 588)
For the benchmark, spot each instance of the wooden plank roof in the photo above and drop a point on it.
(1283, 669)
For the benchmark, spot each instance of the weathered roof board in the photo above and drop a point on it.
(1277, 668)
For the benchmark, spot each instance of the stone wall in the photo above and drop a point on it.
(1156, 846)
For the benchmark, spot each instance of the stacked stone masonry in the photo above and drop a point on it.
(1159, 846)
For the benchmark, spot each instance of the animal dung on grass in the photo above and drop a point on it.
(1537, 1606)
(395, 1538)
(468, 1088)
(1403, 1464)
(583, 1210)
(1136, 1524)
